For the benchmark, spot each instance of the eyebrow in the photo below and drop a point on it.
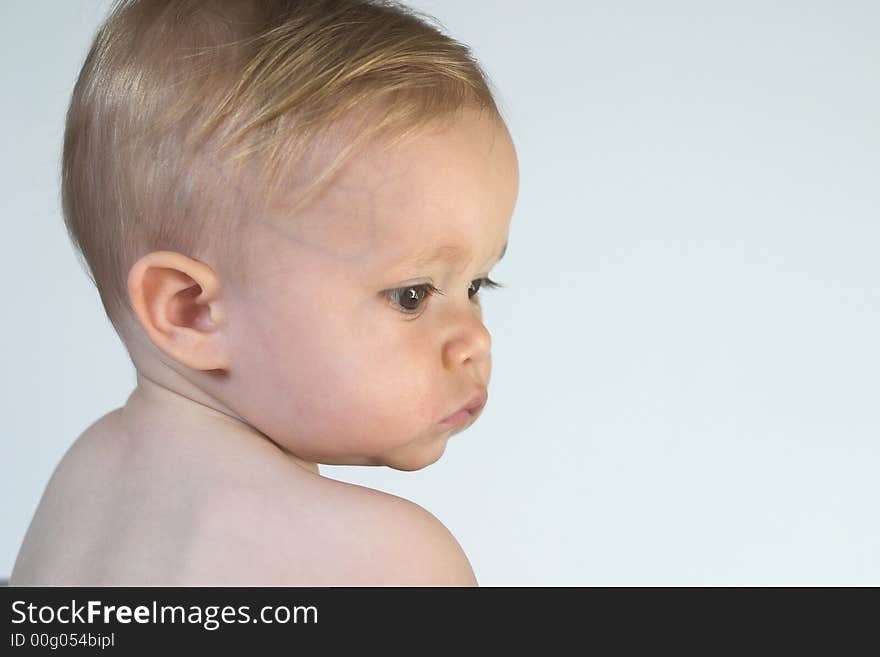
(444, 252)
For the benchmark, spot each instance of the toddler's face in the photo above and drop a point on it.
(336, 352)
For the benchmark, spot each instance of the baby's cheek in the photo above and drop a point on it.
(381, 403)
(335, 390)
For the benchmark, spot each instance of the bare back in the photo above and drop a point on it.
(121, 510)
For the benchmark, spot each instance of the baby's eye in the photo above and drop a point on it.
(478, 283)
(409, 299)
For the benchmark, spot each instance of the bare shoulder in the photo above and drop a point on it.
(323, 532)
(408, 545)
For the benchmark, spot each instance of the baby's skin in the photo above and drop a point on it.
(332, 353)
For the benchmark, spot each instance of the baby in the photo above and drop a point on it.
(290, 210)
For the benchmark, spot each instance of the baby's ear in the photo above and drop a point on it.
(177, 301)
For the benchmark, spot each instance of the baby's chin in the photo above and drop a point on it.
(413, 456)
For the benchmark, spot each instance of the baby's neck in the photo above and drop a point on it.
(161, 412)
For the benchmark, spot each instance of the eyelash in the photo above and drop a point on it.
(429, 290)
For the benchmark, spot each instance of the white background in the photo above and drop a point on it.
(685, 366)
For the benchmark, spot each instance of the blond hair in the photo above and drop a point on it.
(190, 116)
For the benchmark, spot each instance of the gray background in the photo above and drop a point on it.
(685, 368)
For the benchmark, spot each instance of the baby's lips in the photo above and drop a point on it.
(477, 402)
(471, 408)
